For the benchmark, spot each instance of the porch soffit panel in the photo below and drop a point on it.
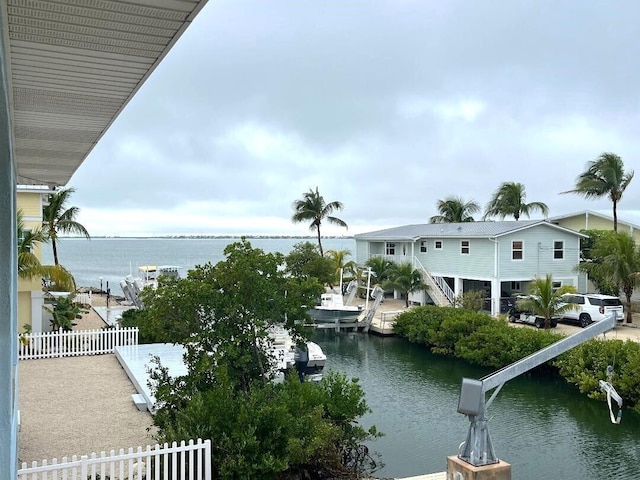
(74, 65)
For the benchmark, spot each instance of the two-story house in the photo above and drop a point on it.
(499, 258)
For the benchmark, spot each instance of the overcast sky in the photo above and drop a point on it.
(385, 105)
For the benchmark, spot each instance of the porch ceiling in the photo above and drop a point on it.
(73, 66)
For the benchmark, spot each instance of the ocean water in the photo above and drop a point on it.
(100, 260)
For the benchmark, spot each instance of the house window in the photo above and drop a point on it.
(391, 248)
(558, 250)
(423, 246)
(556, 285)
(517, 250)
(464, 247)
(437, 245)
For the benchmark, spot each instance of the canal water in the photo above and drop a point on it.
(543, 427)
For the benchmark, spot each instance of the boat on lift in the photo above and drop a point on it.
(334, 308)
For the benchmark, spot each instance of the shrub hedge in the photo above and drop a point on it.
(484, 340)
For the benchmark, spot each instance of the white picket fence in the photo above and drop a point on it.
(84, 298)
(186, 461)
(74, 343)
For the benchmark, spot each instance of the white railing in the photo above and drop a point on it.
(388, 318)
(440, 291)
(186, 461)
(74, 343)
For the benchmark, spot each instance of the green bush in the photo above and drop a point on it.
(586, 364)
(483, 340)
(289, 430)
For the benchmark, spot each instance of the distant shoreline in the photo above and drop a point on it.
(200, 237)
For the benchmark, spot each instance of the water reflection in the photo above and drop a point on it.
(542, 426)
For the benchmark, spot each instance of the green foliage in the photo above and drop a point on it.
(312, 207)
(380, 267)
(604, 177)
(509, 200)
(64, 312)
(348, 268)
(546, 301)
(455, 210)
(470, 300)
(588, 262)
(616, 261)
(258, 429)
(57, 218)
(586, 364)
(305, 262)
(404, 278)
(483, 340)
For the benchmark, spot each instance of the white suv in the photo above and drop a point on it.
(592, 307)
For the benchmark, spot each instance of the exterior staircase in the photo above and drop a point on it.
(439, 290)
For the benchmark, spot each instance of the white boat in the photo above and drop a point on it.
(308, 361)
(333, 307)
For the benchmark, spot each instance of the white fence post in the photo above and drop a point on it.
(77, 342)
(132, 465)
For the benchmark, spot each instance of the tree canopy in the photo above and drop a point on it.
(404, 278)
(312, 207)
(616, 261)
(509, 200)
(259, 429)
(604, 177)
(57, 219)
(455, 210)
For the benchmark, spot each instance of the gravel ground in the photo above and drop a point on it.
(78, 405)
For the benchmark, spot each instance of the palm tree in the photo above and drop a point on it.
(510, 200)
(604, 177)
(380, 267)
(455, 210)
(313, 207)
(617, 259)
(59, 219)
(339, 258)
(29, 265)
(405, 279)
(546, 301)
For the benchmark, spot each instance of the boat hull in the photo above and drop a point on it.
(332, 315)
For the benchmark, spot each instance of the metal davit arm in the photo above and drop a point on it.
(478, 449)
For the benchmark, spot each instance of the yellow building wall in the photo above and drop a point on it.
(579, 222)
(30, 203)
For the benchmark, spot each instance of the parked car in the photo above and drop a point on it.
(523, 316)
(592, 307)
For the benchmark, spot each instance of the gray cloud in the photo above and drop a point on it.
(386, 106)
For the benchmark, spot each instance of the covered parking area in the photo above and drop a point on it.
(67, 69)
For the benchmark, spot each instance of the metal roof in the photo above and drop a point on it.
(73, 66)
(456, 230)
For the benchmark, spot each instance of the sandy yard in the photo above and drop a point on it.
(78, 405)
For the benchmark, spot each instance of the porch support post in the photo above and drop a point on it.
(9, 277)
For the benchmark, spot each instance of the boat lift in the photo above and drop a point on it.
(477, 450)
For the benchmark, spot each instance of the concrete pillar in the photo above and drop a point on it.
(8, 278)
(37, 301)
(458, 469)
